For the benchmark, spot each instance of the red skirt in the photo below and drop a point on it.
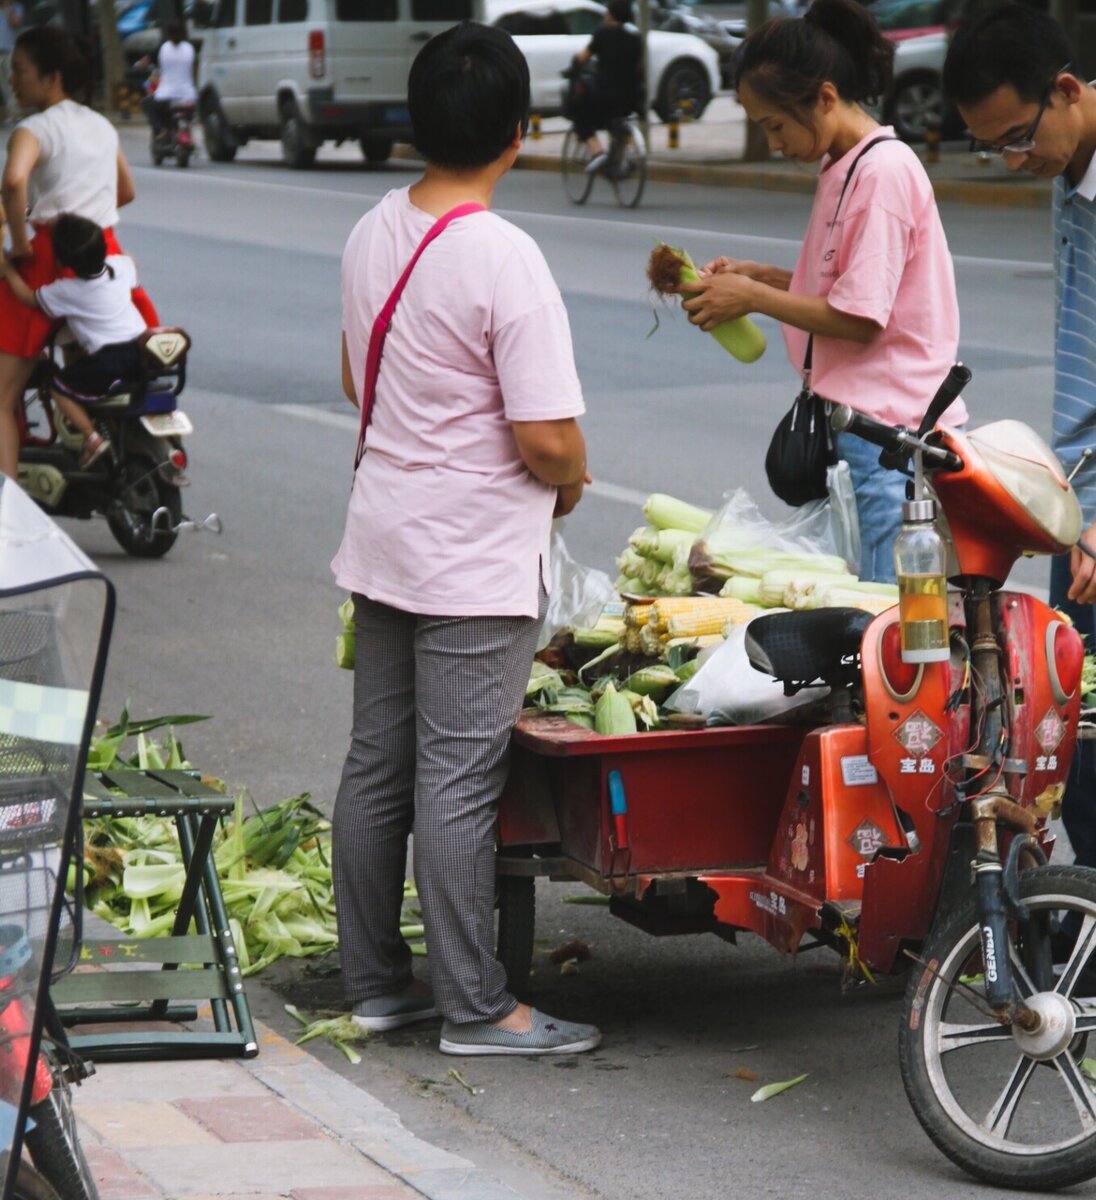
(24, 331)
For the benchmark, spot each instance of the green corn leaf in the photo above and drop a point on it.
(774, 1089)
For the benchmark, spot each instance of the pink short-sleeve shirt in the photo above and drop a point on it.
(445, 519)
(886, 258)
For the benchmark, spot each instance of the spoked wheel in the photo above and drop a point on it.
(576, 183)
(627, 166)
(1012, 1107)
(132, 516)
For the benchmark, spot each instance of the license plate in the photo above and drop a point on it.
(172, 424)
(397, 114)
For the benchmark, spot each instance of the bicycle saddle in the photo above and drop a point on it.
(801, 647)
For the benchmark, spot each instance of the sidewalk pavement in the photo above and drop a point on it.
(710, 152)
(281, 1126)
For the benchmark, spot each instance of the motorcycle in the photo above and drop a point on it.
(175, 138)
(905, 822)
(56, 614)
(137, 486)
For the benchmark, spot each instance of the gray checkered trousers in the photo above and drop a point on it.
(435, 699)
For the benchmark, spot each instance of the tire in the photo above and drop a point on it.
(376, 150)
(155, 150)
(516, 899)
(1036, 1140)
(29, 1185)
(297, 151)
(684, 79)
(576, 183)
(219, 143)
(141, 491)
(917, 105)
(182, 159)
(55, 1150)
(628, 168)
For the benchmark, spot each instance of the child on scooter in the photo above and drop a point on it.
(96, 302)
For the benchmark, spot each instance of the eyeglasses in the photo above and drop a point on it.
(1026, 143)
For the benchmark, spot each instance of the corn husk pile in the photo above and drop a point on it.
(274, 865)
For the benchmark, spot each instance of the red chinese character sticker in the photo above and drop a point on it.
(1050, 731)
(917, 734)
(867, 839)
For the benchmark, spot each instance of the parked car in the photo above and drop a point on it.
(310, 71)
(671, 17)
(551, 32)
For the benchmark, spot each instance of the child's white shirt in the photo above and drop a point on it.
(100, 311)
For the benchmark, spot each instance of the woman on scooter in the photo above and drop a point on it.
(62, 159)
(873, 289)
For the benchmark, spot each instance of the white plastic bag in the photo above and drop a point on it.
(727, 690)
(578, 593)
(844, 519)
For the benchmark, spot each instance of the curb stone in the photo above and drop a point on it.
(363, 1122)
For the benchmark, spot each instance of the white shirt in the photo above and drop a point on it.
(100, 311)
(77, 170)
(176, 73)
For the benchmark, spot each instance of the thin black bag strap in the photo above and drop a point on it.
(808, 358)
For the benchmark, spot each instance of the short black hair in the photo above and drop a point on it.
(54, 52)
(1010, 44)
(468, 92)
(620, 11)
(79, 245)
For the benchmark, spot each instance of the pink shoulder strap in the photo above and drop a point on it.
(384, 320)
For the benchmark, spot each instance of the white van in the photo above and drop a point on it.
(310, 71)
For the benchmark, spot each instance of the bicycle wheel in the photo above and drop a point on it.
(54, 1145)
(628, 165)
(576, 183)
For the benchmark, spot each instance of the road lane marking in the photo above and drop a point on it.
(322, 416)
(658, 231)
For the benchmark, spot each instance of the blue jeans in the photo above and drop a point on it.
(1079, 801)
(879, 497)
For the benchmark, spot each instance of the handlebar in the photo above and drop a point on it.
(897, 442)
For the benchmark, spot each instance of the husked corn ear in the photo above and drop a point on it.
(694, 616)
(635, 615)
(631, 641)
(650, 641)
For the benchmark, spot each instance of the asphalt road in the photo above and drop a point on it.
(243, 626)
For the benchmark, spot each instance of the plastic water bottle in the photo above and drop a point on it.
(920, 562)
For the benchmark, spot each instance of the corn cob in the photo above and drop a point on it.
(838, 597)
(635, 615)
(776, 585)
(665, 512)
(631, 641)
(650, 640)
(694, 616)
(742, 587)
(660, 543)
(613, 713)
(630, 562)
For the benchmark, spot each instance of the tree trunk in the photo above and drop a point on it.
(114, 63)
(757, 146)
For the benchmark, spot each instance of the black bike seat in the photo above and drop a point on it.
(801, 647)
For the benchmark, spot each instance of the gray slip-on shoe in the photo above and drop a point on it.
(393, 1012)
(549, 1035)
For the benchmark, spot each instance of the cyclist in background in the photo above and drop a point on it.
(615, 90)
(174, 77)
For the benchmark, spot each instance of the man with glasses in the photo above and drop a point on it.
(1010, 76)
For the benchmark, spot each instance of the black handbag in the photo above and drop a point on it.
(801, 449)
(802, 446)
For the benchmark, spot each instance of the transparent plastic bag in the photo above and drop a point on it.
(578, 593)
(727, 690)
(820, 527)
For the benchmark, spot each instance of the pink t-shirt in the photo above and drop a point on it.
(445, 519)
(886, 258)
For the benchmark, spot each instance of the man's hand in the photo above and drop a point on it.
(20, 248)
(1082, 562)
(568, 495)
(717, 298)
